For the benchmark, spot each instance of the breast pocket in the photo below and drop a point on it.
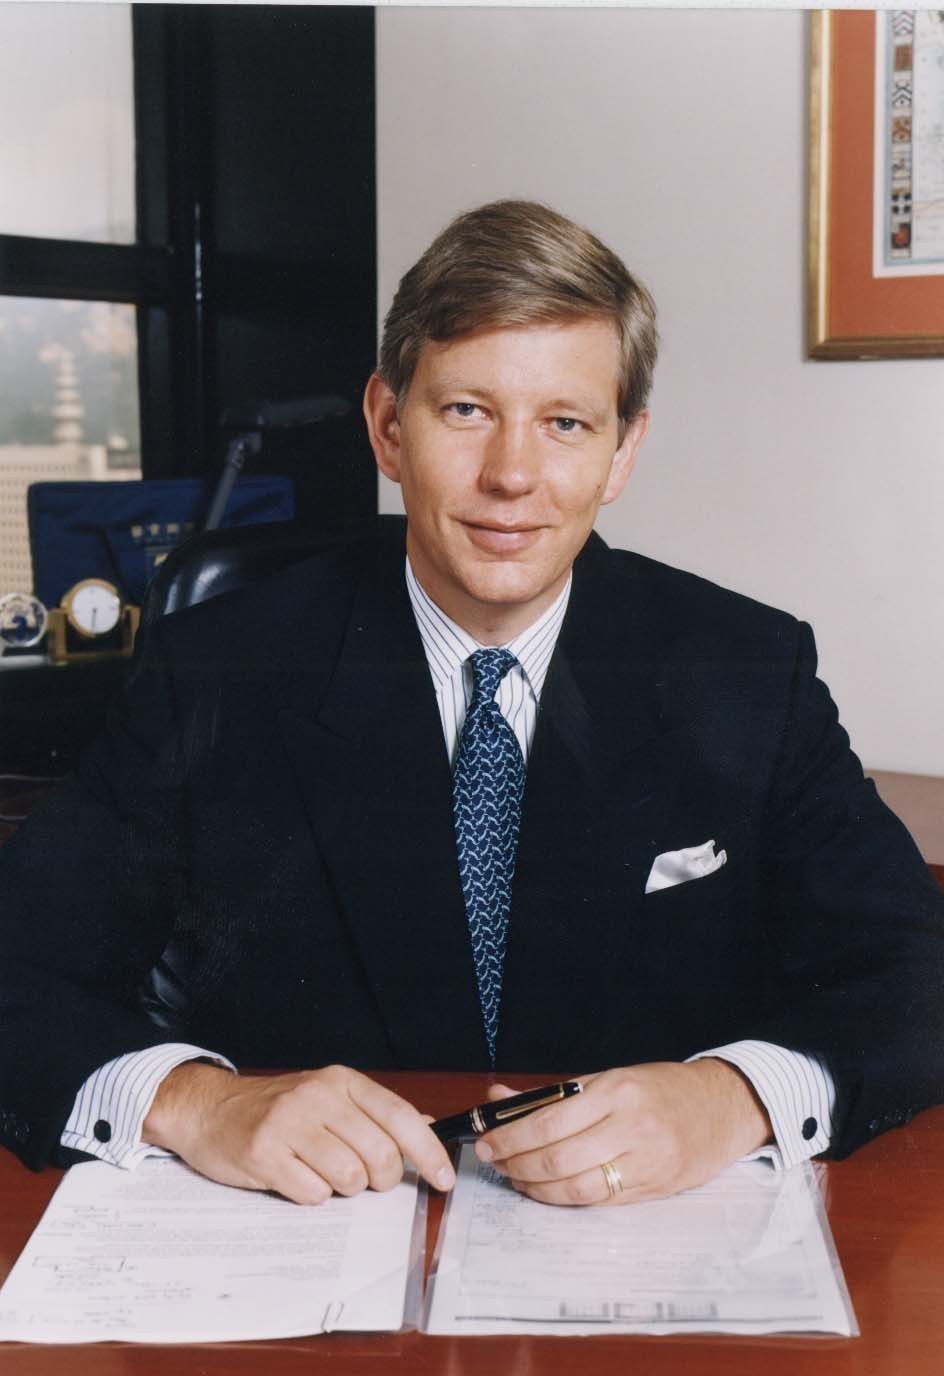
(690, 942)
(702, 894)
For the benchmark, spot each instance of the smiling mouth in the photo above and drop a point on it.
(501, 529)
(501, 539)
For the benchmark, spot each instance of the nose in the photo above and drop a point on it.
(510, 462)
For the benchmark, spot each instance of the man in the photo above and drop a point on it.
(492, 796)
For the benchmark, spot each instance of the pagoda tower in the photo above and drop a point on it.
(67, 409)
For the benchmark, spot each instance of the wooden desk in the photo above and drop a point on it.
(918, 799)
(886, 1208)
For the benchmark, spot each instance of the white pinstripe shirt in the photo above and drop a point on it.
(448, 648)
(796, 1089)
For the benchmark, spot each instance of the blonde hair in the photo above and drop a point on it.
(519, 263)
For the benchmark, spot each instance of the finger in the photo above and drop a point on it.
(586, 1188)
(565, 1158)
(545, 1125)
(405, 1125)
(292, 1178)
(501, 1092)
(375, 1149)
(324, 1153)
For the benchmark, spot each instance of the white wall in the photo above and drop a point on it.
(67, 116)
(680, 138)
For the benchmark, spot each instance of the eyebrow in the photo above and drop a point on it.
(457, 384)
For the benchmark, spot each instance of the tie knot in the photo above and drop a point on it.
(489, 667)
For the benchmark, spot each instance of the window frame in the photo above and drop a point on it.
(160, 274)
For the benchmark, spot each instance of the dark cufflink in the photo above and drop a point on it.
(809, 1129)
(102, 1130)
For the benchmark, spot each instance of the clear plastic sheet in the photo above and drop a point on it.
(750, 1252)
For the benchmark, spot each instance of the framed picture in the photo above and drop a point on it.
(876, 193)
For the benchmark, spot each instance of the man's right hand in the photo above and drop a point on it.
(304, 1135)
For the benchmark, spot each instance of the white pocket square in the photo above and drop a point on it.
(679, 866)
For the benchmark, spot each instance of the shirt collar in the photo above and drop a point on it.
(448, 646)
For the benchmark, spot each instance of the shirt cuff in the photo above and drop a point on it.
(111, 1106)
(796, 1089)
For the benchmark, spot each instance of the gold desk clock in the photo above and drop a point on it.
(87, 614)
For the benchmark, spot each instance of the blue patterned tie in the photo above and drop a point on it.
(487, 787)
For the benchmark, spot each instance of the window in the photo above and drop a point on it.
(68, 407)
(67, 116)
(68, 362)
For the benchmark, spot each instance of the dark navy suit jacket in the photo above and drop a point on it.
(259, 855)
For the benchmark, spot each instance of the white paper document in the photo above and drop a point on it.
(750, 1252)
(163, 1255)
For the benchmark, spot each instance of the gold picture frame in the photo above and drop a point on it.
(850, 313)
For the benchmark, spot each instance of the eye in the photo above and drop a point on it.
(567, 425)
(464, 409)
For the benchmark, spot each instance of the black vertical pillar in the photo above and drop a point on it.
(256, 167)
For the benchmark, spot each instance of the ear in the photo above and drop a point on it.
(625, 457)
(383, 426)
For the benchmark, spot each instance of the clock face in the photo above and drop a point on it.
(94, 608)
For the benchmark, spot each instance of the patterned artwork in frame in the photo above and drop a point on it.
(876, 184)
(909, 143)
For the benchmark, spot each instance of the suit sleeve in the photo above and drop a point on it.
(90, 887)
(857, 922)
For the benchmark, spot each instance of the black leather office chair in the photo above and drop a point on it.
(217, 561)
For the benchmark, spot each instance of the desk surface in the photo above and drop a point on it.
(918, 799)
(886, 1209)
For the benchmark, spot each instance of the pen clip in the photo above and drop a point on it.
(518, 1111)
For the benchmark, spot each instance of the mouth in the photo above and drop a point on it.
(495, 537)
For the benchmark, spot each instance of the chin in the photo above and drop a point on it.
(506, 584)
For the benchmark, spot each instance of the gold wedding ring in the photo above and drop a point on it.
(614, 1181)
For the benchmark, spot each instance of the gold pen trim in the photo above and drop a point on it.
(519, 1110)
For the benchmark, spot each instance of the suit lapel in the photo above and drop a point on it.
(372, 766)
(603, 770)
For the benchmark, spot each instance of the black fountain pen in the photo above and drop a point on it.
(484, 1117)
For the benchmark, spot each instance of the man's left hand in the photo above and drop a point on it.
(666, 1126)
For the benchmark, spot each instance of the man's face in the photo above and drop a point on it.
(505, 447)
